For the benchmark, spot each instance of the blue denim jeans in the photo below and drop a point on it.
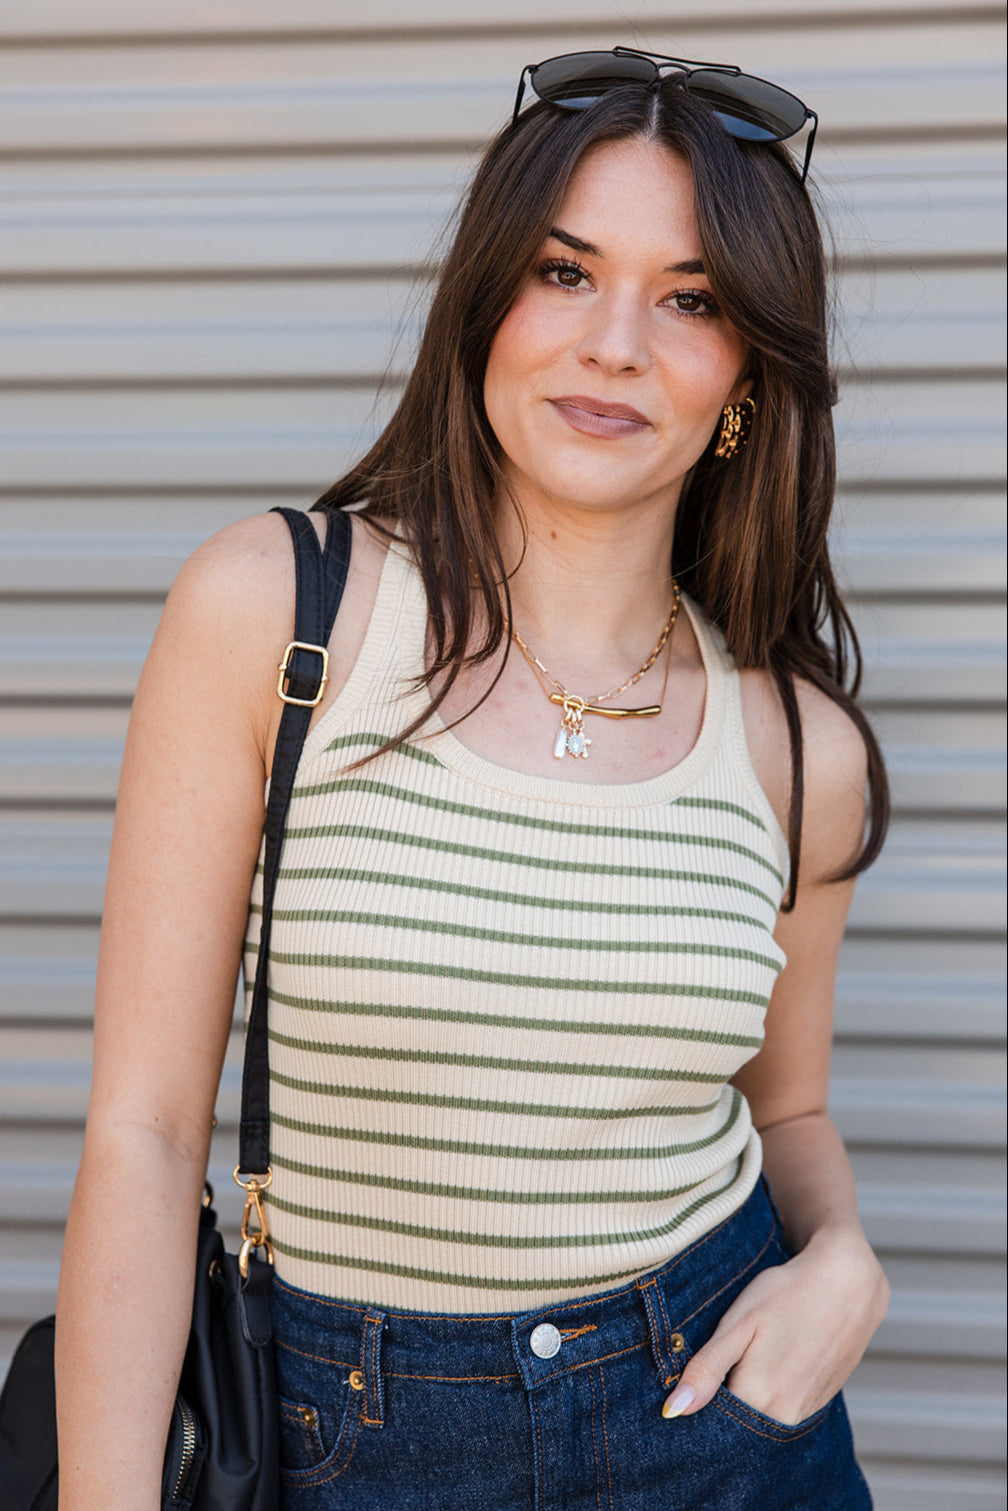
(401, 1411)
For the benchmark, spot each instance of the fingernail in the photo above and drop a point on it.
(681, 1397)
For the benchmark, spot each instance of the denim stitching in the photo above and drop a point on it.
(312, 1477)
(728, 1283)
(540, 1466)
(372, 1383)
(668, 1332)
(393, 1374)
(784, 1434)
(570, 1369)
(653, 1326)
(316, 1358)
(605, 1436)
(598, 1493)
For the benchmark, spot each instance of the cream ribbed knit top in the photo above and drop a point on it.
(504, 1009)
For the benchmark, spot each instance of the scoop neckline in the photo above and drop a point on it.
(445, 745)
(399, 619)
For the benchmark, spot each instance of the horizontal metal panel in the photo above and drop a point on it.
(315, 329)
(295, 437)
(936, 991)
(931, 652)
(894, 319)
(245, 331)
(920, 541)
(268, 215)
(951, 1424)
(449, 89)
(933, 1487)
(932, 1219)
(113, 20)
(918, 1112)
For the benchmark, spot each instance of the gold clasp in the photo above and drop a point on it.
(253, 1237)
(303, 645)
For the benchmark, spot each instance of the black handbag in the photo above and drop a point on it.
(223, 1442)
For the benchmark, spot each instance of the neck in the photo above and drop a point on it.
(591, 593)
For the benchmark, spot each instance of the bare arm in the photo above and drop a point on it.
(780, 1346)
(187, 832)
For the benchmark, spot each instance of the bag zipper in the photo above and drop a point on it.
(190, 1438)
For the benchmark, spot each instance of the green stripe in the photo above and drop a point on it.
(400, 1011)
(511, 978)
(373, 786)
(471, 1104)
(501, 857)
(463, 1236)
(722, 805)
(491, 1194)
(482, 1282)
(386, 1139)
(515, 899)
(375, 741)
(538, 941)
(399, 1056)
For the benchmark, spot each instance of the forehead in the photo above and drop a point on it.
(632, 195)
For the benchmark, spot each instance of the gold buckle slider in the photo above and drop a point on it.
(303, 645)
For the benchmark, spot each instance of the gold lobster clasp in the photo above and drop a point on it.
(256, 1237)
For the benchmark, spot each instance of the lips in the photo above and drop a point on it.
(599, 417)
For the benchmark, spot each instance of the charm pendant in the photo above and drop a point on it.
(571, 738)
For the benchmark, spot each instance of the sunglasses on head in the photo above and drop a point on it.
(750, 109)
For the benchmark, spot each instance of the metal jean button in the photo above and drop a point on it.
(545, 1341)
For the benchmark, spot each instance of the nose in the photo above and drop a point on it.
(616, 335)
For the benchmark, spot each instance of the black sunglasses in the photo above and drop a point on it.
(748, 108)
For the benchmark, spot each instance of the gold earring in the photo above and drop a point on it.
(736, 422)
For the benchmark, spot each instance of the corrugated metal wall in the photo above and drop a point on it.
(213, 217)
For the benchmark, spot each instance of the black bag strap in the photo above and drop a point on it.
(320, 575)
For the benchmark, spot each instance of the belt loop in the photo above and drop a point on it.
(374, 1395)
(654, 1305)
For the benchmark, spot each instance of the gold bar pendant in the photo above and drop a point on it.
(611, 713)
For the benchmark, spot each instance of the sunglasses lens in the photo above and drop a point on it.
(576, 80)
(747, 107)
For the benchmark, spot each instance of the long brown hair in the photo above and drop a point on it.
(750, 541)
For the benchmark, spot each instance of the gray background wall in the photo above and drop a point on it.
(213, 215)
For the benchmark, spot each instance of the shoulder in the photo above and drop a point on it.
(834, 768)
(232, 607)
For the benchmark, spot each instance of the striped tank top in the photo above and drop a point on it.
(504, 1010)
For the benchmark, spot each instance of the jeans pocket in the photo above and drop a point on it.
(764, 1426)
(301, 1445)
(317, 1438)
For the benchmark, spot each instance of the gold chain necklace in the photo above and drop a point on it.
(571, 738)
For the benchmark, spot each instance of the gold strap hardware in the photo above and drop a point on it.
(257, 1237)
(302, 645)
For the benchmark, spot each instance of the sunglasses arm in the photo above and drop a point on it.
(809, 144)
(521, 92)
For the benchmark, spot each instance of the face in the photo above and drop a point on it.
(607, 377)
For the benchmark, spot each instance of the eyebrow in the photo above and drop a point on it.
(693, 265)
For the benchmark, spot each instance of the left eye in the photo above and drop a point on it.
(692, 302)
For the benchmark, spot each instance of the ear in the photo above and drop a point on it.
(742, 389)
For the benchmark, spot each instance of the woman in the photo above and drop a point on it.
(533, 1037)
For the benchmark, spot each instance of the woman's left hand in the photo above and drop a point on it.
(787, 1344)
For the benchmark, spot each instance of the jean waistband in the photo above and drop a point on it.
(537, 1345)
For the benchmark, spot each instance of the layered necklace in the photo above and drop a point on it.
(570, 737)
